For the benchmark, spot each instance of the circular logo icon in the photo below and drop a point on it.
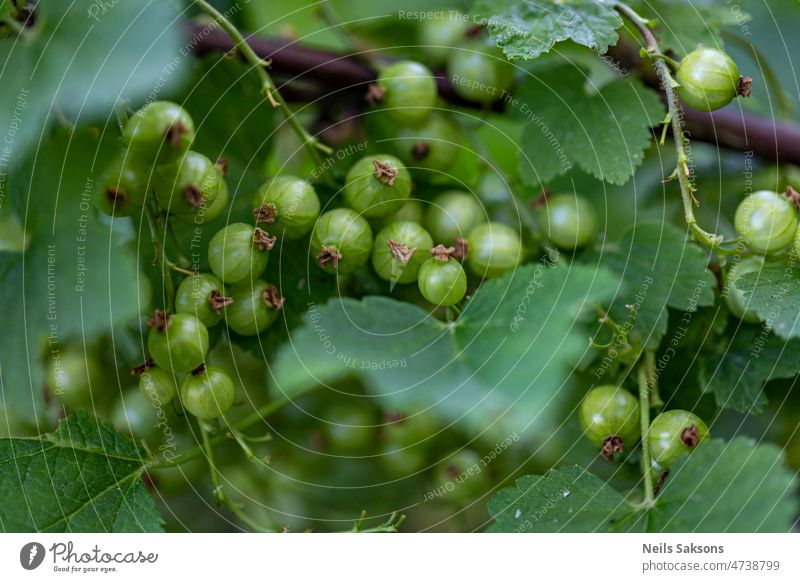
(31, 555)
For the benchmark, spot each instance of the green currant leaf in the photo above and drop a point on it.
(569, 499)
(526, 30)
(84, 477)
(734, 486)
(774, 294)
(660, 269)
(81, 57)
(736, 373)
(507, 358)
(605, 132)
(74, 275)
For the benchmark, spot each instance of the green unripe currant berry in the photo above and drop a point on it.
(767, 221)
(350, 429)
(188, 184)
(239, 252)
(159, 132)
(493, 249)
(674, 433)
(441, 279)
(123, 189)
(460, 476)
(438, 36)
(255, 307)
(71, 375)
(399, 462)
(203, 296)
(408, 91)
(207, 392)
(432, 145)
(177, 342)
(208, 212)
(288, 203)
(135, 413)
(735, 298)
(341, 241)
(492, 189)
(709, 79)
(399, 251)
(569, 221)
(411, 211)
(609, 416)
(406, 430)
(479, 72)
(453, 214)
(158, 385)
(377, 185)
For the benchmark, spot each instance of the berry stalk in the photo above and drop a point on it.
(675, 119)
(646, 379)
(268, 87)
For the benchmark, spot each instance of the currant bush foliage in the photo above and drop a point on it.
(510, 359)
(736, 486)
(84, 477)
(605, 132)
(463, 370)
(526, 30)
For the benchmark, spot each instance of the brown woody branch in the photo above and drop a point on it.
(730, 128)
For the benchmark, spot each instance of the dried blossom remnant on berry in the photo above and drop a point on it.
(265, 214)
(329, 255)
(199, 370)
(611, 445)
(159, 320)
(690, 436)
(420, 151)
(745, 86)
(139, 370)
(385, 172)
(461, 249)
(375, 93)
(218, 301)
(442, 253)
(794, 196)
(272, 297)
(400, 251)
(262, 240)
(222, 167)
(117, 198)
(175, 133)
(193, 195)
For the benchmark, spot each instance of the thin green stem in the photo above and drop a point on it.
(219, 489)
(652, 377)
(644, 411)
(176, 247)
(675, 119)
(268, 88)
(18, 28)
(218, 492)
(160, 255)
(391, 525)
(256, 416)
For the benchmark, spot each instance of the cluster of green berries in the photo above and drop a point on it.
(156, 159)
(767, 225)
(610, 418)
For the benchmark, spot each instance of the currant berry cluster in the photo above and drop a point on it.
(767, 225)
(610, 418)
